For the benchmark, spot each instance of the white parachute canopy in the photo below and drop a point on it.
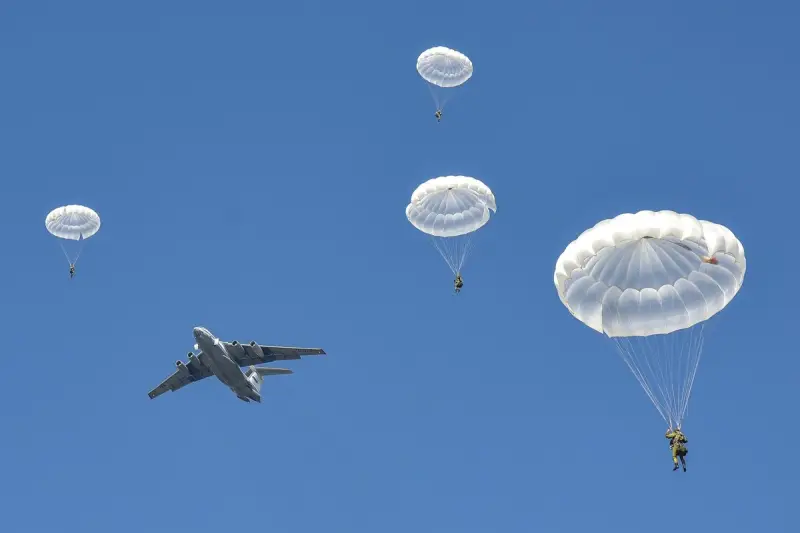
(450, 209)
(72, 223)
(649, 281)
(443, 68)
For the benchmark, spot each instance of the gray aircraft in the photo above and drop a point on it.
(225, 359)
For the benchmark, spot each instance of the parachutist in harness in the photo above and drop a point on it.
(458, 283)
(71, 270)
(438, 115)
(676, 443)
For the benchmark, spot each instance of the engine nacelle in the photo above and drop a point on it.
(182, 370)
(236, 350)
(191, 354)
(257, 349)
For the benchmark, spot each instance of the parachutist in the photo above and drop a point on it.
(438, 115)
(73, 224)
(676, 443)
(450, 209)
(710, 260)
(444, 69)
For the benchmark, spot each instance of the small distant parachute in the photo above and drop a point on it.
(650, 281)
(450, 209)
(443, 68)
(72, 224)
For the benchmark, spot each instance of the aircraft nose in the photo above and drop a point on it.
(198, 332)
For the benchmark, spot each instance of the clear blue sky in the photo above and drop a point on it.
(251, 162)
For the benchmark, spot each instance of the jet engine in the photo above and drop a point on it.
(236, 350)
(182, 370)
(257, 349)
(191, 354)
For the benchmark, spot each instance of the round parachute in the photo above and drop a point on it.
(648, 280)
(444, 67)
(73, 222)
(450, 209)
(450, 206)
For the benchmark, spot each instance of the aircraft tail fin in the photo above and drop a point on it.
(255, 375)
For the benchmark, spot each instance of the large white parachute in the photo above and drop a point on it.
(72, 223)
(443, 68)
(450, 209)
(649, 281)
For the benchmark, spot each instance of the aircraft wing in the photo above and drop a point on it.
(253, 354)
(192, 371)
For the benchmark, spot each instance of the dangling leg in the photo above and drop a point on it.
(675, 458)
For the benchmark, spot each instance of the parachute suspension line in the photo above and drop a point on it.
(628, 355)
(467, 248)
(696, 347)
(65, 252)
(454, 250)
(433, 95)
(442, 252)
(80, 249)
(443, 101)
(665, 366)
(448, 249)
(435, 90)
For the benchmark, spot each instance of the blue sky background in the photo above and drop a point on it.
(251, 162)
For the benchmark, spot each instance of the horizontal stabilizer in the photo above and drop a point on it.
(269, 371)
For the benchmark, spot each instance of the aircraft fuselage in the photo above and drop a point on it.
(216, 358)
